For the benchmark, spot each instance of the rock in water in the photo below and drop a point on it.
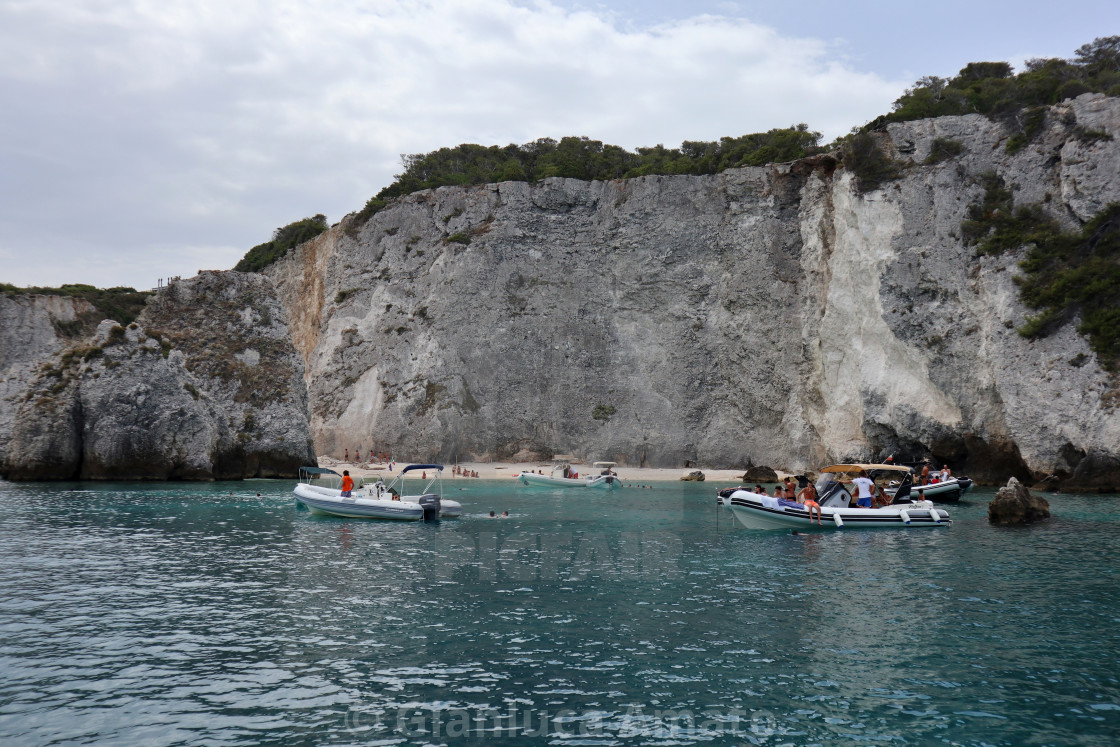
(1015, 504)
(694, 476)
(760, 473)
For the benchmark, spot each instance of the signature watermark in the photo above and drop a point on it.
(633, 721)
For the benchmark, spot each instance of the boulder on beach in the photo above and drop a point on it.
(694, 476)
(1014, 504)
(760, 473)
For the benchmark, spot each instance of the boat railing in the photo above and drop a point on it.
(397, 484)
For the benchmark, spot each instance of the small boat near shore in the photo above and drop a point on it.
(759, 511)
(559, 477)
(942, 491)
(377, 500)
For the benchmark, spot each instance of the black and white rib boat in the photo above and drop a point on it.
(758, 511)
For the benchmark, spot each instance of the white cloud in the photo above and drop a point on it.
(152, 134)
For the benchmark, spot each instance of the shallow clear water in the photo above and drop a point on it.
(184, 614)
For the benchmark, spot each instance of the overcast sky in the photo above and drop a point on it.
(141, 139)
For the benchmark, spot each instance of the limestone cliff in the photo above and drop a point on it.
(205, 384)
(770, 315)
(31, 330)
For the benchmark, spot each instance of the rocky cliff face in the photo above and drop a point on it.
(769, 315)
(205, 384)
(32, 329)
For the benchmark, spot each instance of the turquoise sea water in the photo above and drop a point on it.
(183, 614)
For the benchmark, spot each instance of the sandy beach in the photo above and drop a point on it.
(506, 470)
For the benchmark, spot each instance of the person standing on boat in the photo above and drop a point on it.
(925, 473)
(946, 473)
(865, 485)
(788, 489)
(347, 484)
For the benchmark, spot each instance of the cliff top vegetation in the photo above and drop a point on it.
(121, 304)
(990, 88)
(583, 158)
(283, 239)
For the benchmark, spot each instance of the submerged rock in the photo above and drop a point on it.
(1015, 504)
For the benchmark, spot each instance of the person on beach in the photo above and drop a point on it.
(808, 496)
(347, 483)
(865, 485)
(346, 455)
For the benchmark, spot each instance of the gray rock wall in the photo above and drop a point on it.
(205, 385)
(30, 332)
(768, 315)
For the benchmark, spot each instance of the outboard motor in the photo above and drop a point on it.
(430, 504)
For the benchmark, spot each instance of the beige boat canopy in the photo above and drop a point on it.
(604, 464)
(865, 467)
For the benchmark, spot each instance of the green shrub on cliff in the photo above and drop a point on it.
(990, 88)
(121, 304)
(1065, 274)
(583, 158)
(872, 167)
(283, 240)
(1078, 274)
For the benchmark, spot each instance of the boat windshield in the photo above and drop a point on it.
(823, 479)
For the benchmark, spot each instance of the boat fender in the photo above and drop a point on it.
(838, 521)
(905, 516)
(935, 515)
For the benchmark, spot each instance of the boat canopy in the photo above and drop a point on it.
(604, 464)
(412, 467)
(865, 467)
(318, 471)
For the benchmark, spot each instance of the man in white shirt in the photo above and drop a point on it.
(865, 485)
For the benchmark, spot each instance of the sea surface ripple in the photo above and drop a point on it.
(223, 614)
